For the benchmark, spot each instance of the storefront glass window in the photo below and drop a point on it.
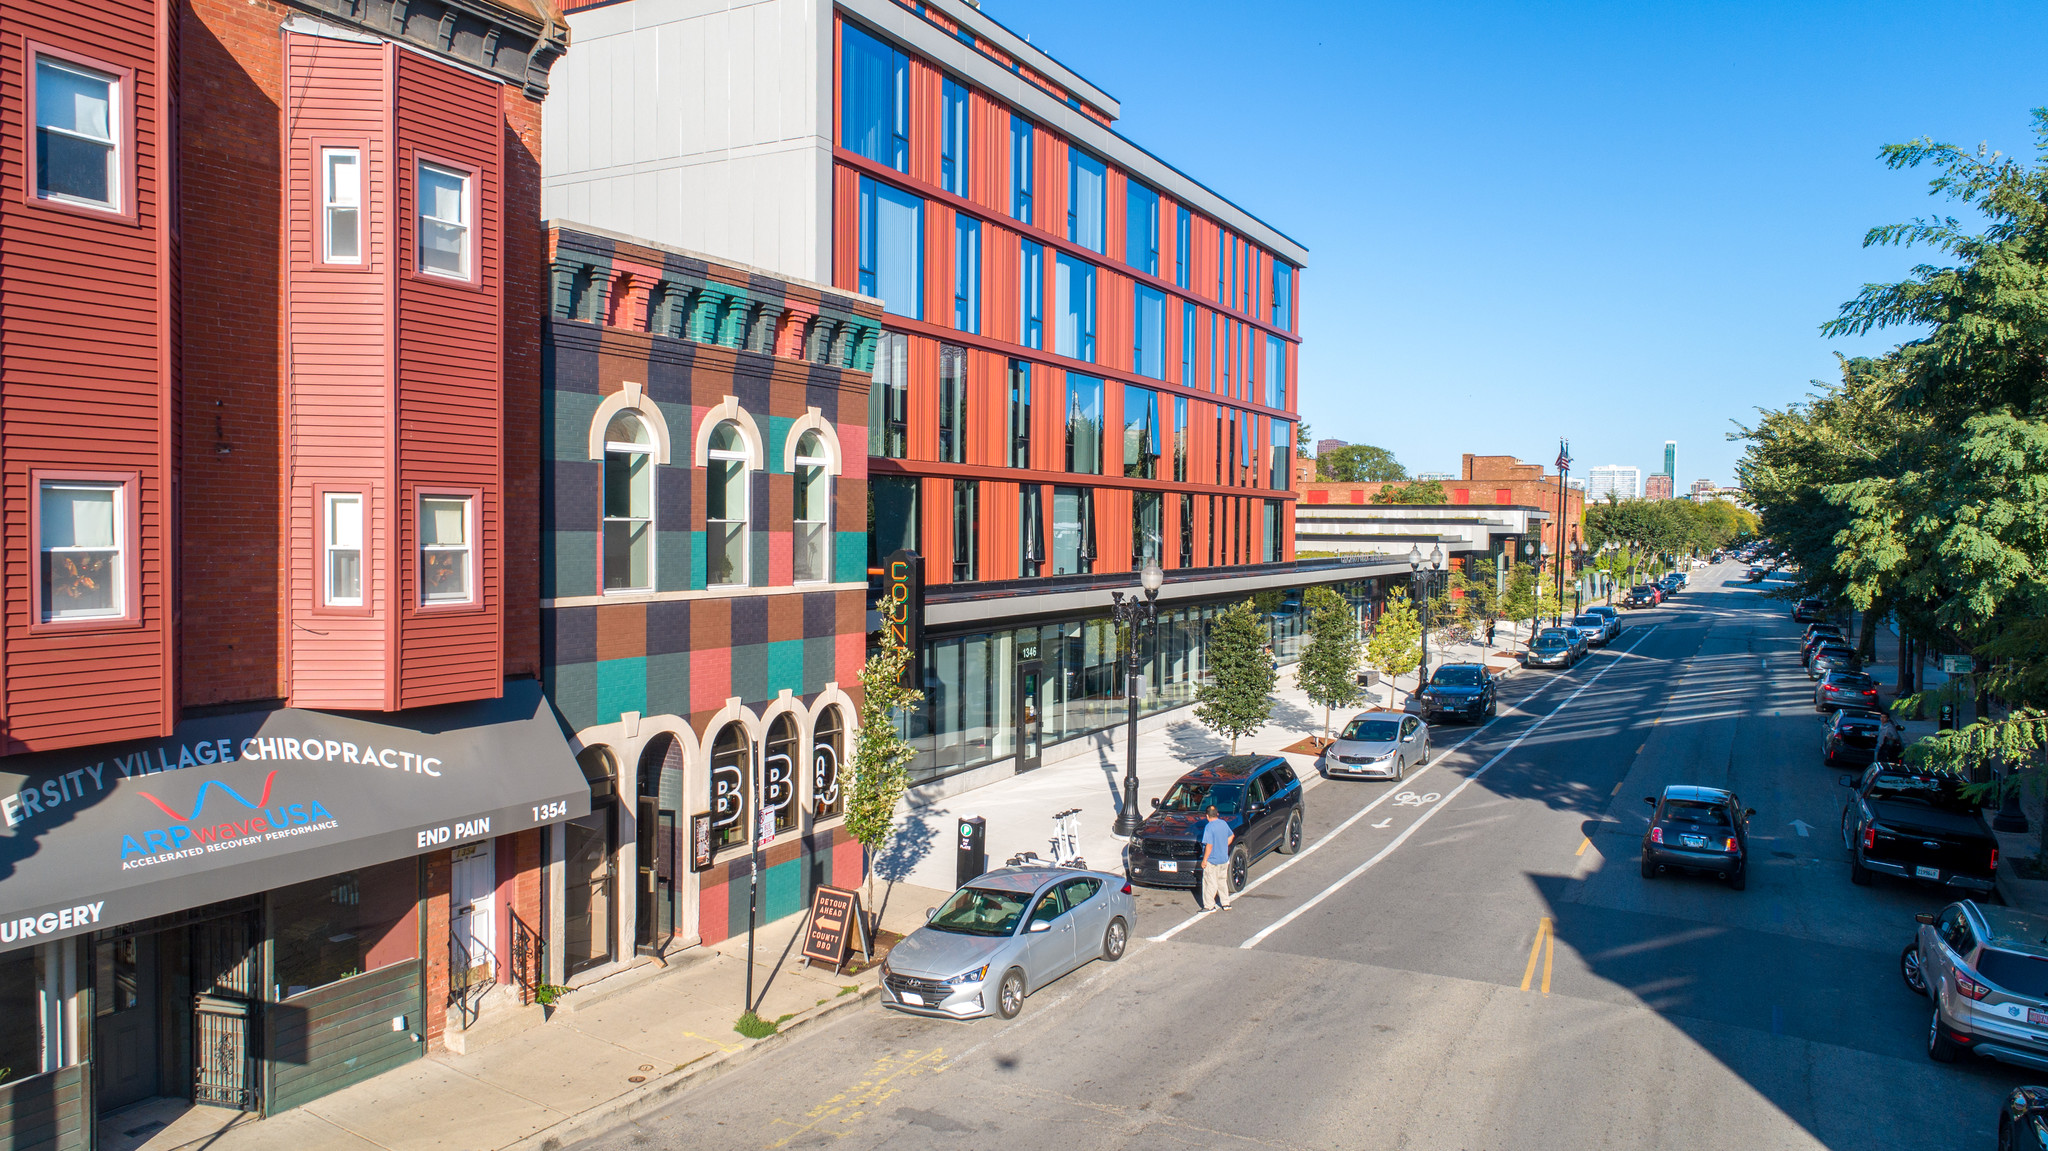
(344, 925)
(778, 774)
(828, 748)
(21, 1016)
(729, 771)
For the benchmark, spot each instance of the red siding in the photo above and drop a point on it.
(87, 319)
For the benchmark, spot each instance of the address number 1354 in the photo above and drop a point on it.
(555, 810)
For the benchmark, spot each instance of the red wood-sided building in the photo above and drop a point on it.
(276, 774)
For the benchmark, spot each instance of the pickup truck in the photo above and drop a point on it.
(1916, 825)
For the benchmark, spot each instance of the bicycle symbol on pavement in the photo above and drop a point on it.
(1410, 799)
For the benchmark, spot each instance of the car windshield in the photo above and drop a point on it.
(1456, 677)
(1190, 796)
(1363, 730)
(1556, 633)
(1588, 621)
(2021, 974)
(1852, 682)
(1550, 641)
(1695, 813)
(1864, 722)
(981, 911)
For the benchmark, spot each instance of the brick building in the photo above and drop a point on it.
(1657, 486)
(1502, 480)
(271, 731)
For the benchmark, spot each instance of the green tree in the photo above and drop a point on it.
(1238, 697)
(881, 756)
(1395, 644)
(1328, 671)
(1414, 492)
(1359, 463)
(1519, 602)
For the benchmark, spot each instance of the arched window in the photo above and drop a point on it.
(778, 773)
(726, 507)
(628, 505)
(813, 508)
(731, 764)
(828, 744)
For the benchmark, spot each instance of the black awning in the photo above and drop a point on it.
(236, 804)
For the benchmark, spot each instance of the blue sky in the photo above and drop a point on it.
(1621, 223)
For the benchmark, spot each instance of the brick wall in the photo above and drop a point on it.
(526, 301)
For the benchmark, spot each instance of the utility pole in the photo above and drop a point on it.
(1564, 467)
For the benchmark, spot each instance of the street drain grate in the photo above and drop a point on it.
(636, 1078)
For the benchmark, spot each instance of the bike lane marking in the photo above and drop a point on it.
(1426, 816)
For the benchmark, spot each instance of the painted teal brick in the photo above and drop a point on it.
(574, 570)
(573, 688)
(785, 890)
(569, 430)
(785, 667)
(850, 557)
(668, 684)
(672, 560)
(621, 687)
(819, 656)
(750, 672)
(778, 436)
(697, 560)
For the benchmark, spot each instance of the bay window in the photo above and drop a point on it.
(445, 530)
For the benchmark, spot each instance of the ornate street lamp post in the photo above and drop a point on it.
(1426, 577)
(1133, 612)
(1578, 577)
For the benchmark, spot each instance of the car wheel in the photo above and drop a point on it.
(1858, 874)
(1290, 841)
(1115, 939)
(1940, 1047)
(1010, 994)
(1649, 869)
(1910, 970)
(1240, 869)
(1492, 708)
(2005, 1142)
(1739, 879)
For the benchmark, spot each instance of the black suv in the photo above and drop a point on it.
(1809, 610)
(1257, 795)
(1463, 690)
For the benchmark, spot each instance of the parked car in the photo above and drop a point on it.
(1004, 936)
(1858, 739)
(1550, 649)
(1814, 629)
(1592, 627)
(1642, 595)
(1756, 575)
(1571, 635)
(2023, 1120)
(1986, 969)
(1459, 690)
(1817, 638)
(1832, 657)
(1377, 745)
(1916, 825)
(1838, 689)
(1257, 795)
(1698, 829)
(1611, 615)
(1808, 610)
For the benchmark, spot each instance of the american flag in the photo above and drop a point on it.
(1564, 459)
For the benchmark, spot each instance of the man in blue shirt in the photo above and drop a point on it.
(1216, 841)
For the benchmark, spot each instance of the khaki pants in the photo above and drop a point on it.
(1216, 885)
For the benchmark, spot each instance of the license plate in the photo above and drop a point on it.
(2037, 1017)
(1168, 865)
(1693, 840)
(912, 998)
(1927, 872)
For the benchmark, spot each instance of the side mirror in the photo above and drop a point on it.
(1651, 800)
(1848, 781)
(1926, 917)
(1155, 805)
(930, 913)
(1038, 925)
(1408, 739)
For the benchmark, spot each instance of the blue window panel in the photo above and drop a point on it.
(892, 248)
(953, 147)
(967, 274)
(874, 99)
(1141, 228)
(1074, 315)
(1031, 296)
(1183, 232)
(1187, 345)
(1283, 296)
(1283, 454)
(1276, 372)
(1222, 264)
(1087, 199)
(1215, 351)
(1023, 170)
(1148, 355)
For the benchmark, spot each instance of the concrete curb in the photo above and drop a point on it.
(660, 1090)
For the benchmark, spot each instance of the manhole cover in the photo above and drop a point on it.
(647, 1067)
(636, 1078)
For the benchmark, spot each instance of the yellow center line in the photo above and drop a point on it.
(1583, 845)
(1537, 948)
(1549, 952)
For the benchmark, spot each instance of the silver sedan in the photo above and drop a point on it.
(1004, 936)
(1378, 745)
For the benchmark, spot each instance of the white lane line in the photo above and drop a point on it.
(1412, 828)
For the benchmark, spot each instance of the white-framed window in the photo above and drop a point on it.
(813, 509)
(341, 516)
(82, 523)
(726, 506)
(444, 549)
(444, 221)
(341, 205)
(78, 142)
(628, 504)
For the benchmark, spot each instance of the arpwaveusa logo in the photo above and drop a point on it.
(260, 819)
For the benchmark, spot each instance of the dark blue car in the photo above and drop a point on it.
(1258, 795)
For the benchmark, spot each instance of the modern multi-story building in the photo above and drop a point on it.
(275, 769)
(1701, 487)
(1657, 486)
(1089, 360)
(1621, 482)
(1671, 459)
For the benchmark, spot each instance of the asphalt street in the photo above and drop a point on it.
(1467, 959)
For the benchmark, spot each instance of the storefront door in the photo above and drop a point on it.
(127, 1027)
(587, 891)
(655, 923)
(1030, 723)
(471, 922)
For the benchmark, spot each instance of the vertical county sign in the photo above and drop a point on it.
(903, 609)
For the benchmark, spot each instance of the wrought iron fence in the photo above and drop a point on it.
(471, 972)
(529, 958)
(224, 1070)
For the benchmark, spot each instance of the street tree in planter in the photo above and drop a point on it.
(1239, 695)
(1395, 645)
(881, 756)
(1328, 672)
(1520, 602)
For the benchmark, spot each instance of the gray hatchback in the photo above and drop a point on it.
(1004, 936)
(1986, 968)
